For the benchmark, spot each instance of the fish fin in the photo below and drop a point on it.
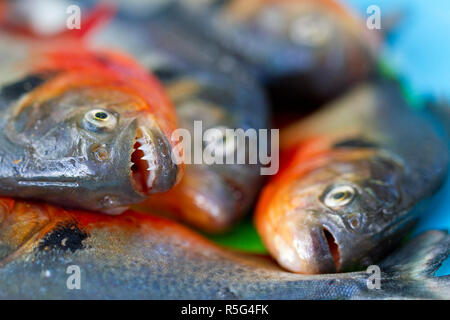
(422, 256)
(416, 264)
(98, 15)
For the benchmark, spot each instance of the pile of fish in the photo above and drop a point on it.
(92, 173)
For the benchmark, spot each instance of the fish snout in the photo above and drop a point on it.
(306, 246)
(153, 169)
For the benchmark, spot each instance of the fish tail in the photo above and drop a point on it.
(416, 264)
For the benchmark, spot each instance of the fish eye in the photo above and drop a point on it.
(98, 120)
(339, 196)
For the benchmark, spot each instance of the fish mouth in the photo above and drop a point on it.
(144, 161)
(320, 254)
(307, 248)
(333, 248)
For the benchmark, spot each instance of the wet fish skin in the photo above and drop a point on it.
(228, 91)
(137, 256)
(358, 174)
(290, 45)
(214, 197)
(51, 143)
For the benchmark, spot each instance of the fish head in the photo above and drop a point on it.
(341, 213)
(101, 143)
(211, 196)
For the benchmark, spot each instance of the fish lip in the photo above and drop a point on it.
(307, 249)
(320, 258)
(213, 198)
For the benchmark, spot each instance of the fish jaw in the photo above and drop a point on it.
(144, 161)
(153, 169)
(301, 244)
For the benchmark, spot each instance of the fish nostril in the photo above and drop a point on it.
(334, 248)
(100, 152)
(355, 221)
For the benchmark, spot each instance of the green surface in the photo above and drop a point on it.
(243, 237)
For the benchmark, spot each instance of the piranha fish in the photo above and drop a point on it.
(290, 44)
(79, 127)
(211, 197)
(353, 186)
(45, 249)
(286, 44)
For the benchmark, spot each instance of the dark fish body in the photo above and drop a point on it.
(167, 33)
(136, 256)
(357, 173)
(289, 45)
(77, 123)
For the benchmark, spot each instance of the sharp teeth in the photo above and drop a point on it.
(144, 141)
(147, 148)
(148, 158)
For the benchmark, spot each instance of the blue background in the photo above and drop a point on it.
(418, 49)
